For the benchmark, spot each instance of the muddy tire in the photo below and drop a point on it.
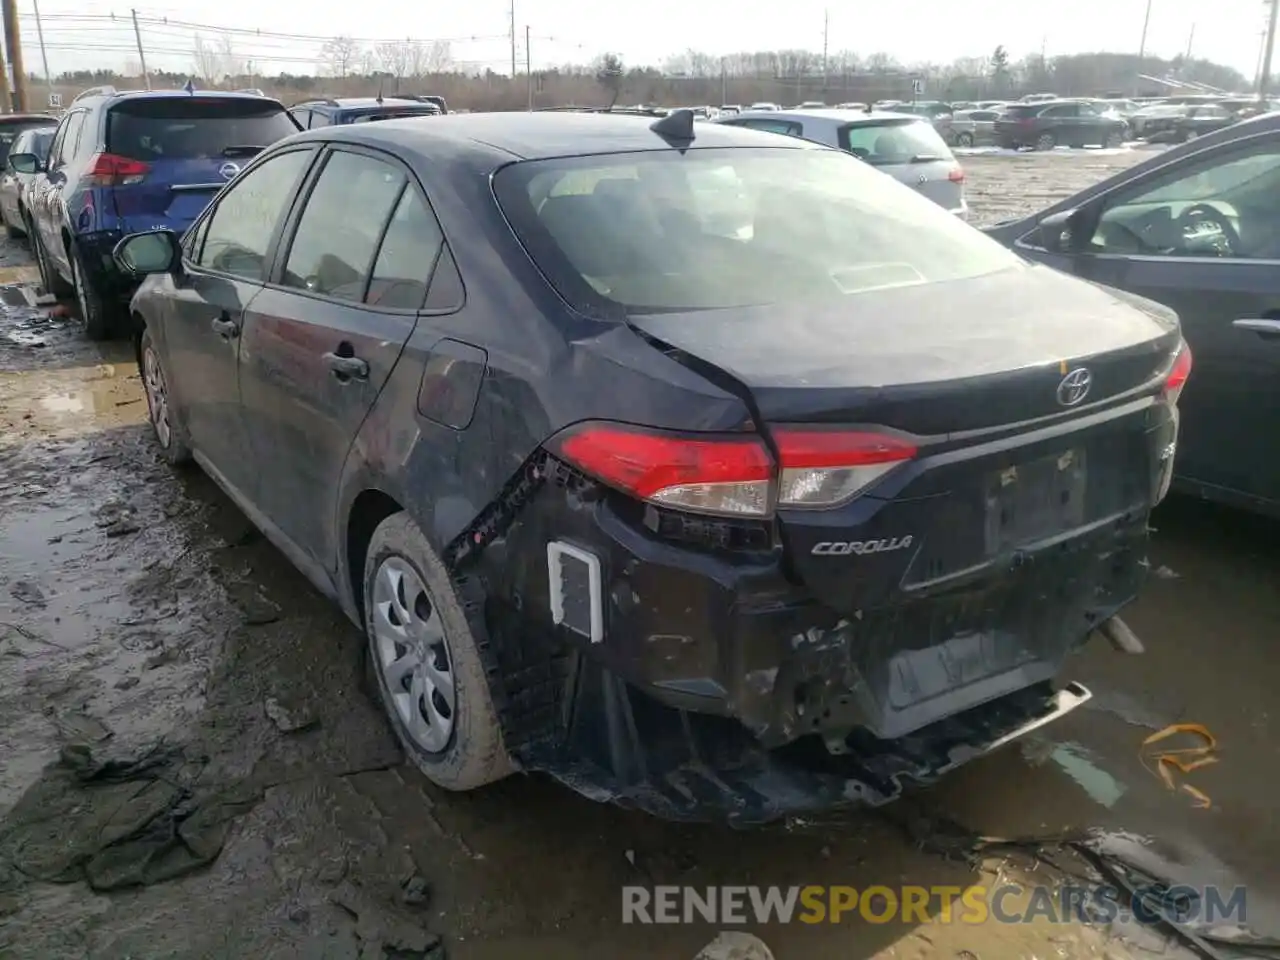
(166, 424)
(1046, 141)
(964, 140)
(424, 660)
(96, 313)
(50, 280)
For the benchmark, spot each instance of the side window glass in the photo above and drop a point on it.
(78, 138)
(302, 116)
(63, 141)
(239, 232)
(319, 119)
(338, 234)
(194, 241)
(1220, 207)
(407, 255)
(774, 126)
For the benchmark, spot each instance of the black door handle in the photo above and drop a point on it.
(347, 368)
(225, 327)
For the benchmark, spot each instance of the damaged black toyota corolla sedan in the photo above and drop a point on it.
(711, 472)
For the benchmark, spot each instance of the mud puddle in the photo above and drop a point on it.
(138, 605)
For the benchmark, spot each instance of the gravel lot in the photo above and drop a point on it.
(138, 605)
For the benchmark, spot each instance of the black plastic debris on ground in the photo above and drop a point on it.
(119, 822)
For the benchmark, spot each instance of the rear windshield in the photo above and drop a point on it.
(894, 141)
(9, 133)
(174, 128)
(708, 228)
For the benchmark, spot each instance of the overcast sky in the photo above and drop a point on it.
(78, 33)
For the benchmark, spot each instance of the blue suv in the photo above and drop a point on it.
(328, 112)
(125, 161)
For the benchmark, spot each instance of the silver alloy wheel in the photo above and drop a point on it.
(157, 396)
(413, 655)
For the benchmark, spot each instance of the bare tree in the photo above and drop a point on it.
(230, 64)
(610, 74)
(394, 56)
(434, 56)
(340, 56)
(207, 62)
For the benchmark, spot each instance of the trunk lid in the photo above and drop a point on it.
(192, 146)
(972, 372)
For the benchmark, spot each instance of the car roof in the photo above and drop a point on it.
(832, 113)
(356, 103)
(176, 95)
(486, 141)
(27, 118)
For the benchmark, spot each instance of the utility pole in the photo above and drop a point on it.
(826, 26)
(6, 101)
(528, 66)
(513, 39)
(1142, 48)
(13, 47)
(142, 57)
(724, 82)
(44, 59)
(1264, 73)
(1190, 40)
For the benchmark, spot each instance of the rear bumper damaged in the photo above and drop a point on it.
(711, 685)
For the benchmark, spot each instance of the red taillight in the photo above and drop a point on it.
(1178, 374)
(732, 475)
(956, 175)
(111, 170)
(821, 468)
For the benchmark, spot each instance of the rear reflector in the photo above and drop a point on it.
(732, 475)
(822, 468)
(1178, 375)
(111, 170)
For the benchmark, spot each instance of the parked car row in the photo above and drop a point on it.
(118, 162)
(556, 405)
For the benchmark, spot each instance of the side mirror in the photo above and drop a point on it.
(142, 254)
(1060, 232)
(25, 163)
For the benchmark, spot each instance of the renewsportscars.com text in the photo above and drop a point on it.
(1009, 903)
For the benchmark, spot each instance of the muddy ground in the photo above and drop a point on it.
(137, 604)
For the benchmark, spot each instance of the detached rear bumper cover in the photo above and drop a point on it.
(721, 688)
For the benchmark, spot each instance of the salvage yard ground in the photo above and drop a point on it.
(140, 611)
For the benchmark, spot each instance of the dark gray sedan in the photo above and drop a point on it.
(1198, 229)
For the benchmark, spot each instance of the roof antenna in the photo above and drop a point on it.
(190, 86)
(676, 126)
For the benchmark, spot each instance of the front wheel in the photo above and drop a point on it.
(1114, 140)
(170, 433)
(964, 140)
(50, 279)
(1046, 141)
(424, 657)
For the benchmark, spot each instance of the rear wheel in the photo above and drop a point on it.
(425, 661)
(95, 311)
(1046, 141)
(1114, 139)
(49, 276)
(964, 140)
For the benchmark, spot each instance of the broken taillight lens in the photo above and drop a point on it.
(732, 475)
(1178, 374)
(821, 468)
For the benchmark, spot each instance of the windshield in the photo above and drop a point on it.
(173, 128)
(721, 228)
(894, 141)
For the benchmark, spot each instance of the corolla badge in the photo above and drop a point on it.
(229, 170)
(1074, 387)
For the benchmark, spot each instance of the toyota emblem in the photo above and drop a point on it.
(229, 170)
(1074, 387)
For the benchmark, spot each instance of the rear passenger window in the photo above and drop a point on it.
(337, 236)
(407, 256)
(240, 229)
